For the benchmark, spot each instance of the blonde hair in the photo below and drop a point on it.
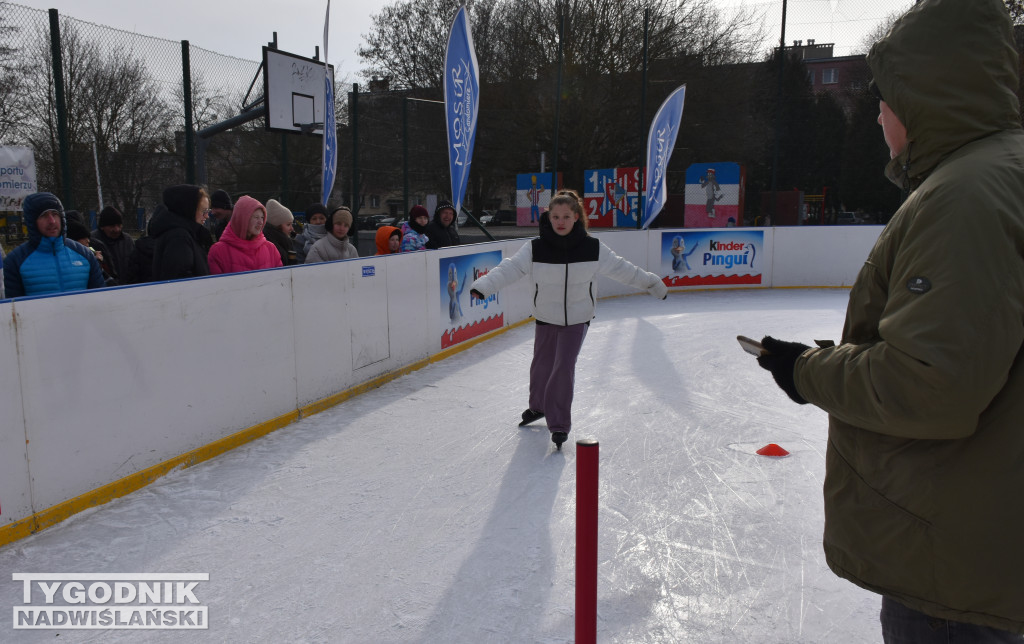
(572, 199)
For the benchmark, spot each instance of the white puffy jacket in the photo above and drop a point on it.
(564, 271)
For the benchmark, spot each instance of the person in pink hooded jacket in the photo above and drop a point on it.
(242, 246)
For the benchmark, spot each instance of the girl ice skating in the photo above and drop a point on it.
(563, 264)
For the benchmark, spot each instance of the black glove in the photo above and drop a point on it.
(780, 359)
(477, 294)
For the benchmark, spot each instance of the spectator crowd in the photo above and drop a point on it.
(192, 233)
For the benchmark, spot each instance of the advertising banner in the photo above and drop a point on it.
(712, 257)
(462, 316)
(533, 194)
(661, 140)
(714, 194)
(17, 176)
(462, 102)
(330, 151)
(612, 196)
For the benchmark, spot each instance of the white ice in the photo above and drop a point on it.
(420, 512)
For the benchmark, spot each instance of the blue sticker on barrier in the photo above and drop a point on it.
(368, 271)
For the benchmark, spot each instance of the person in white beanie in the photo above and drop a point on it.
(278, 231)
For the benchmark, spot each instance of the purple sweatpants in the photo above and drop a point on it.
(553, 372)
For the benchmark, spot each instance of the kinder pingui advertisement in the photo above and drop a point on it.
(462, 316)
(712, 257)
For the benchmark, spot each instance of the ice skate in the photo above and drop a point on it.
(531, 415)
(558, 438)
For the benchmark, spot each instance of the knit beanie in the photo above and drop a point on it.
(278, 214)
(340, 214)
(221, 199)
(76, 216)
(110, 216)
(418, 211)
(77, 231)
(441, 206)
(315, 208)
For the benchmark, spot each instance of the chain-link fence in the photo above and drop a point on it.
(124, 122)
(805, 127)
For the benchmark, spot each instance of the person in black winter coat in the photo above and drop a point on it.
(109, 231)
(139, 268)
(77, 219)
(442, 230)
(178, 231)
(79, 233)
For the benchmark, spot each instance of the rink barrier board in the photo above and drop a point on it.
(33, 461)
(122, 487)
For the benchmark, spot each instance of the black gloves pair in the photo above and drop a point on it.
(780, 359)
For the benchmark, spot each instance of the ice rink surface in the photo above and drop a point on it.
(420, 512)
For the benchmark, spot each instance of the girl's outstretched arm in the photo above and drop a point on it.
(509, 271)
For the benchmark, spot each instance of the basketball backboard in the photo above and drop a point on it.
(293, 87)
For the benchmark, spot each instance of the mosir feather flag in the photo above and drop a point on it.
(330, 156)
(462, 102)
(660, 142)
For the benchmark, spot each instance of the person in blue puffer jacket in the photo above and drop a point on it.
(48, 262)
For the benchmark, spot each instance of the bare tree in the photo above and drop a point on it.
(11, 87)
(517, 44)
(880, 30)
(111, 101)
(131, 125)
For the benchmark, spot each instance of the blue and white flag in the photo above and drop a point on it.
(461, 102)
(330, 156)
(660, 143)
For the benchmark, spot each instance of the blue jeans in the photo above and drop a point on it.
(902, 625)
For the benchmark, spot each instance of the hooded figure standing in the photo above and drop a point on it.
(48, 262)
(442, 230)
(177, 232)
(242, 246)
(924, 469)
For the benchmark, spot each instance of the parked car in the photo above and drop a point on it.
(847, 219)
(504, 218)
(386, 220)
(367, 222)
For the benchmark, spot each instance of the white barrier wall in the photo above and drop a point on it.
(820, 255)
(15, 498)
(99, 385)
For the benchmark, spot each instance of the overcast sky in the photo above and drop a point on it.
(241, 27)
(236, 27)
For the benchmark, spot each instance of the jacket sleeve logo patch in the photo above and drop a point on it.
(919, 285)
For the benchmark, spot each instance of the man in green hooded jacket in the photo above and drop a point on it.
(924, 485)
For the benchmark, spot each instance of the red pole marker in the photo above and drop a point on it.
(771, 449)
(586, 540)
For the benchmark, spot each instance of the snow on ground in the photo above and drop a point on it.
(420, 512)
